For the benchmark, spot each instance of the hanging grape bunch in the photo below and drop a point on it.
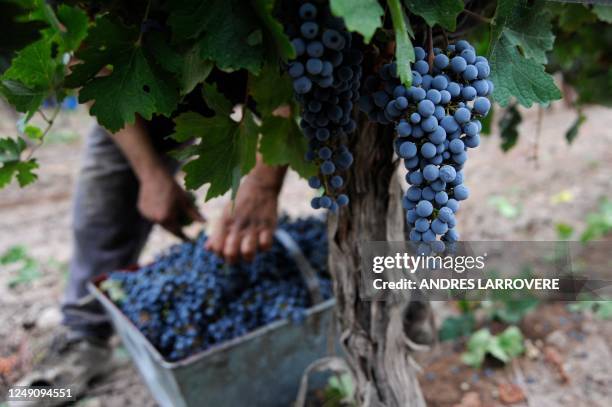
(437, 120)
(326, 78)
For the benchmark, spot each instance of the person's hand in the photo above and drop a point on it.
(248, 224)
(161, 200)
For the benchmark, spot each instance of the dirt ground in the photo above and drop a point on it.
(563, 184)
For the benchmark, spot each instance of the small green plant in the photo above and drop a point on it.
(602, 309)
(564, 231)
(504, 347)
(505, 207)
(455, 327)
(25, 268)
(598, 223)
(339, 391)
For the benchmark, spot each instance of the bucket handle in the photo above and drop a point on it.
(308, 273)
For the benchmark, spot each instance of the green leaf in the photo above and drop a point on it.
(11, 149)
(455, 327)
(514, 75)
(572, 132)
(33, 132)
(564, 231)
(136, 84)
(216, 100)
(194, 70)
(23, 170)
(441, 12)
(283, 143)
(504, 206)
(75, 22)
(477, 347)
(275, 31)
(362, 16)
(525, 25)
(225, 153)
(511, 341)
(222, 28)
(22, 97)
(33, 66)
(134, 87)
(404, 51)
(189, 67)
(271, 89)
(109, 43)
(508, 127)
(603, 12)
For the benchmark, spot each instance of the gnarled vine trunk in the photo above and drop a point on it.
(374, 334)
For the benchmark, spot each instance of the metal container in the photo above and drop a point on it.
(261, 368)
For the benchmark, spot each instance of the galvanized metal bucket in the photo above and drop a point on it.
(261, 368)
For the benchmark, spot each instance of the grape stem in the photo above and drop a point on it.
(50, 122)
(478, 16)
(430, 56)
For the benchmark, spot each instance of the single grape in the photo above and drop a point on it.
(461, 192)
(309, 30)
(424, 208)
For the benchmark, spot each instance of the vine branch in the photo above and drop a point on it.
(478, 16)
(50, 122)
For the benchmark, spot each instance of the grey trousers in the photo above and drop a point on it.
(108, 231)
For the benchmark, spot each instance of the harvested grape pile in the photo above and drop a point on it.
(189, 300)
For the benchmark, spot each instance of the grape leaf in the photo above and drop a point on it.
(441, 12)
(11, 149)
(194, 70)
(225, 153)
(222, 28)
(508, 127)
(108, 43)
(515, 75)
(10, 154)
(404, 51)
(75, 22)
(190, 68)
(603, 12)
(270, 89)
(23, 98)
(33, 66)
(275, 30)
(134, 87)
(362, 16)
(283, 143)
(136, 84)
(22, 170)
(525, 25)
(216, 100)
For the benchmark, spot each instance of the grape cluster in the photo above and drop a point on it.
(188, 300)
(326, 79)
(436, 121)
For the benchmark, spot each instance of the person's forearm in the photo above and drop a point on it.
(267, 176)
(136, 145)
